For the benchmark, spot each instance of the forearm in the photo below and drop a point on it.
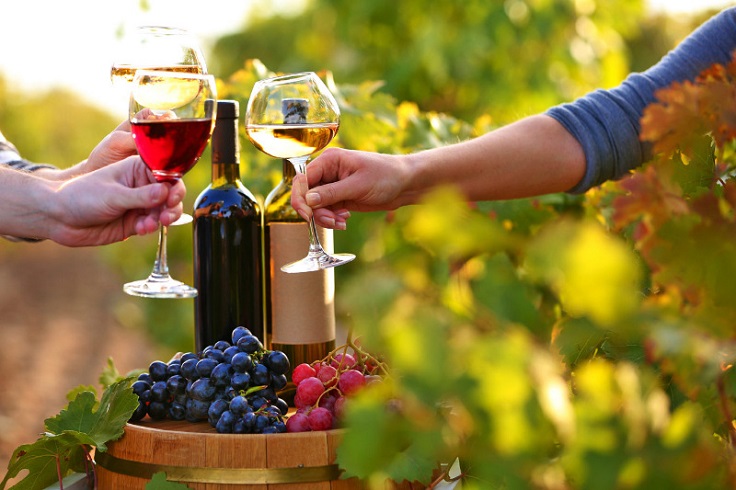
(27, 202)
(530, 157)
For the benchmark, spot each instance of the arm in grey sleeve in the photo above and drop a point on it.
(607, 122)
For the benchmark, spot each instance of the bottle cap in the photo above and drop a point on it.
(227, 109)
(294, 110)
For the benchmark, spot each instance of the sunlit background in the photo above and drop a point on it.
(51, 43)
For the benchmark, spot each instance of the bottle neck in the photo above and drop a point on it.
(225, 152)
(225, 173)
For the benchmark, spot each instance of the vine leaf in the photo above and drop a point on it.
(65, 445)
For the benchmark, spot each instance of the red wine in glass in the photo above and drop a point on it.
(170, 148)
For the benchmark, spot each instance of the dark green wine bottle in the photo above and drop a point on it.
(228, 246)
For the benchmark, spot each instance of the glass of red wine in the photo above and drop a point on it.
(293, 117)
(171, 117)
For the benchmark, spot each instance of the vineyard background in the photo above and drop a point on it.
(62, 312)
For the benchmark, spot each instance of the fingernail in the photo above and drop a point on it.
(304, 215)
(313, 198)
(344, 214)
(329, 222)
(341, 225)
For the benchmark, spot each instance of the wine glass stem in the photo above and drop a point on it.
(160, 266)
(315, 248)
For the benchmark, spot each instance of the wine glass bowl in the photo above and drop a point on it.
(293, 117)
(156, 48)
(171, 117)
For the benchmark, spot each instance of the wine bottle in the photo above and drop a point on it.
(300, 308)
(228, 246)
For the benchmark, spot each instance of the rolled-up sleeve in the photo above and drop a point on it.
(607, 122)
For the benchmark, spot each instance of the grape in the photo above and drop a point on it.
(221, 375)
(205, 366)
(202, 389)
(187, 356)
(240, 381)
(309, 391)
(141, 386)
(350, 381)
(140, 412)
(216, 409)
(221, 345)
(299, 422)
(173, 368)
(145, 377)
(343, 361)
(197, 410)
(282, 406)
(227, 354)
(157, 410)
(328, 375)
(225, 423)
(278, 381)
(260, 374)
(249, 344)
(177, 411)
(258, 402)
(302, 372)
(260, 423)
(159, 393)
(239, 332)
(239, 405)
(157, 370)
(189, 369)
(241, 362)
(339, 408)
(320, 419)
(176, 385)
(277, 362)
(215, 354)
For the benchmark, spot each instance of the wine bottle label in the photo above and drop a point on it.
(303, 305)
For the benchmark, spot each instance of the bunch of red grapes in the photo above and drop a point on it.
(324, 387)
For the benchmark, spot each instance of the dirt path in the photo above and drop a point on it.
(57, 329)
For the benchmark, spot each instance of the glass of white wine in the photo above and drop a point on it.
(293, 117)
(157, 48)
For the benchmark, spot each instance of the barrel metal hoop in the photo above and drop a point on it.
(219, 475)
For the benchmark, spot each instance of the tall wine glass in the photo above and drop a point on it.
(294, 116)
(171, 117)
(157, 48)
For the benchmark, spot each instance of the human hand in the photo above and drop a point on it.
(340, 181)
(112, 203)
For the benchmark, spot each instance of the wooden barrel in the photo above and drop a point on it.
(196, 455)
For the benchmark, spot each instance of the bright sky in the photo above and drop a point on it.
(70, 42)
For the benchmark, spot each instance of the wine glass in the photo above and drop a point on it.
(294, 116)
(156, 48)
(171, 116)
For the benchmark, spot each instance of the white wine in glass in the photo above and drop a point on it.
(293, 117)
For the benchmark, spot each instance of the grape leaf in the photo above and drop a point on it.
(68, 450)
(110, 374)
(106, 423)
(159, 482)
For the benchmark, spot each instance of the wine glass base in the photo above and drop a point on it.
(159, 288)
(184, 219)
(317, 262)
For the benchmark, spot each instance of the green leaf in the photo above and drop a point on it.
(68, 450)
(106, 423)
(159, 482)
(110, 374)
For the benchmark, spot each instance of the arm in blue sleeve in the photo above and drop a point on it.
(607, 122)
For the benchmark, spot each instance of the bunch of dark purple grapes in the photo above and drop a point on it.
(233, 385)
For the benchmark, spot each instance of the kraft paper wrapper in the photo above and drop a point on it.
(303, 305)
